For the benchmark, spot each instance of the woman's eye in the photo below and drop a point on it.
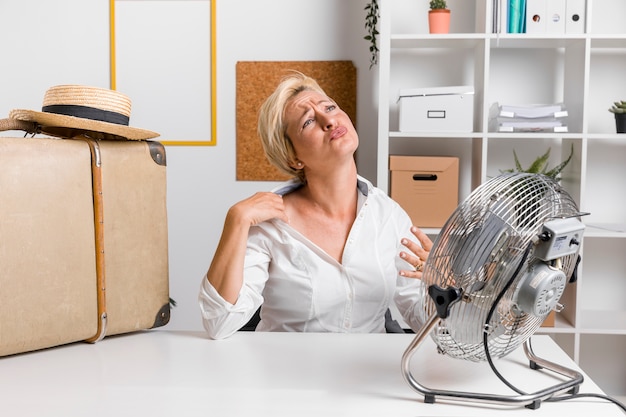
(331, 107)
(307, 122)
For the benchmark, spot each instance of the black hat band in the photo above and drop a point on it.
(86, 112)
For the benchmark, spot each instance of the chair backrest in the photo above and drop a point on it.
(391, 325)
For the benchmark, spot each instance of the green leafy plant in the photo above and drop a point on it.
(618, 107)
(438, 4)
(540, 165)
(371, 25)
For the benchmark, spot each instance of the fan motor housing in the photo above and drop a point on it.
(541, 289)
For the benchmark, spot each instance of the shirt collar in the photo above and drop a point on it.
(293, 184)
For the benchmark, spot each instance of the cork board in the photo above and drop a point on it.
(256, 80)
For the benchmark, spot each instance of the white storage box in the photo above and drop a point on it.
(437, 109)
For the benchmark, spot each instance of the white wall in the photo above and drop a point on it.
(48, 43)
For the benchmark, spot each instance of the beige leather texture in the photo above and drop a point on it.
(83, 235)
(47, 263)
(135, 235)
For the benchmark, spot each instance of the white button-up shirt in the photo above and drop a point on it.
(301, 288)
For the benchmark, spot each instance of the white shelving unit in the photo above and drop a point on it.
(583, 71)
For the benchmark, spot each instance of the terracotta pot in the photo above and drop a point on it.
(439, 21)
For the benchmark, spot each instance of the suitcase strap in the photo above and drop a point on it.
(99, 235)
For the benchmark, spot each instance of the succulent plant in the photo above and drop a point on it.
(618, 107)
(540, 165)
(438, 4)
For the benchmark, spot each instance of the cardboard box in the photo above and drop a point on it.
(550, 320)
(437, 109)
(427, 187)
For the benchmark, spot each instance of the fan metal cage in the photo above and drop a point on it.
(480, 250)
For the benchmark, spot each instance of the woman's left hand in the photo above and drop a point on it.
(418, 253)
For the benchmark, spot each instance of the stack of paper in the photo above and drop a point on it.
(528, 118)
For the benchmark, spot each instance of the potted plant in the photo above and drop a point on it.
(371, 22)
(540, 165)
(439, 17)
(619, 109)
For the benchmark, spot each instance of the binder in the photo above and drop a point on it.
(495, 16)
(503, 15)
(536, 16)
(575, 16)
(517, 10)
(555, 23)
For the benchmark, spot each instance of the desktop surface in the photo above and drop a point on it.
(178, 373)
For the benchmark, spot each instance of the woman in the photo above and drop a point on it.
(324, 252)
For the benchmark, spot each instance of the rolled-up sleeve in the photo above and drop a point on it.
(409, 298)
(220, 318)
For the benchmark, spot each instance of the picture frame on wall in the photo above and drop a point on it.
(163, 56)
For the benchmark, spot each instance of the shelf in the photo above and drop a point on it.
(527, 41)
(583, 71)
(608, 230)
(490, 135)
(608, 41)
(533, 135)
(604, 136)
(602, 322)
(412, 41)
(535, 41)
(561, 325)
(597, 358)
(418, 135)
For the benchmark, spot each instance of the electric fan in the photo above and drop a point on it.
(498, 267)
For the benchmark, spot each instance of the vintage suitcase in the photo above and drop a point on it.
(83, 240)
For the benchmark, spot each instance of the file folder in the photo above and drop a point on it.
(536, 16)
(575, 16)
(555, 23)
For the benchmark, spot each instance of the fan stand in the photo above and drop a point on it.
(532, 401)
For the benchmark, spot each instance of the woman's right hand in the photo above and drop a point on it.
(258, 208)
(226, 270)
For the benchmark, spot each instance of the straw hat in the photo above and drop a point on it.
(71, 110)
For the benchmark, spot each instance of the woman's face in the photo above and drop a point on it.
(321, 133)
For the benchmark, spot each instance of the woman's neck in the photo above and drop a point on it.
(333, 192)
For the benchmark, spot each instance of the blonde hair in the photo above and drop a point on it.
(272, 128)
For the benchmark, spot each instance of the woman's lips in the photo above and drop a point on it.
(338, 132)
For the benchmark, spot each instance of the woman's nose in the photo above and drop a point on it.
(327, 120)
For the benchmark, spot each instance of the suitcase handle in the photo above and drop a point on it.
(12, 124)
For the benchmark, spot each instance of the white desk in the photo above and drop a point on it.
(181, 374)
